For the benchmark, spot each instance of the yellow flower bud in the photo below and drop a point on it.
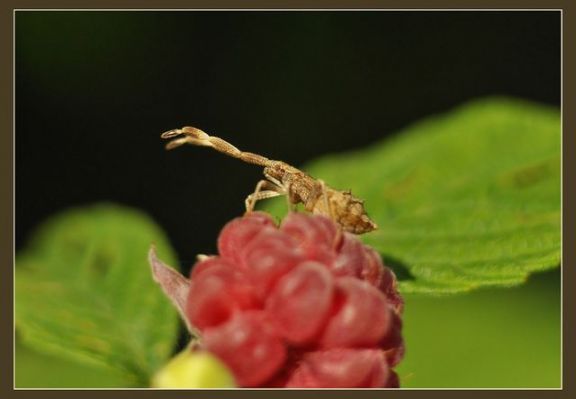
(194, 369)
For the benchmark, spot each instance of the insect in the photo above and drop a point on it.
(283, 179)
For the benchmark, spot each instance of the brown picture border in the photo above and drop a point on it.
(7, 8)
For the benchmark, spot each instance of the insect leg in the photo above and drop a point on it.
(330, 210)
(264, 189)
(286, 189)
(326, 200)
(291, 204)
(273, 180)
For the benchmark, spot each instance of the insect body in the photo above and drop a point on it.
(283, 179)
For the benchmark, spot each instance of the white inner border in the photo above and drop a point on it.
(288, 10)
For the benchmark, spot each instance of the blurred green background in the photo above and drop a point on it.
(94, 90)
(493, 338)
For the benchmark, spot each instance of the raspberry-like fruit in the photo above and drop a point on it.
(302, 304)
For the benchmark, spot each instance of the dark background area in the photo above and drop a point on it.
(94, 90)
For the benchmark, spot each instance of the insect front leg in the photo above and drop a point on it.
(264, 189)
(273, 180)
(286, 187)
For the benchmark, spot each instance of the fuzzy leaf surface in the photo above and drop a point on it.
(463, 200)
(84, 292)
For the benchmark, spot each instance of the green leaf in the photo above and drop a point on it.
(84, 292)
(462, 200)
(40, 370)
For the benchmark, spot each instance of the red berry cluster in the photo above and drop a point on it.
(299, 305)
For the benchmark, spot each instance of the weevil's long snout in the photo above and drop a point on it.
(186, 135)
(177, 135)
(189, 131)
(171, 133)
